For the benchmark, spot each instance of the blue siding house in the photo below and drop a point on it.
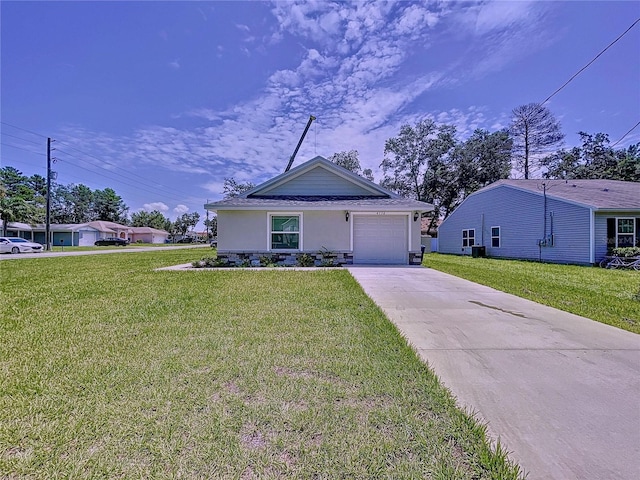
(561, 221)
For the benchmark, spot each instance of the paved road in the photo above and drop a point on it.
(8, 256)
(560, 391)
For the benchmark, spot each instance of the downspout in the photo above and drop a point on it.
(592, 236)
(482, 229)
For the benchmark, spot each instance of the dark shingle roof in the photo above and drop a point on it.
(320, 202)
(599, 194)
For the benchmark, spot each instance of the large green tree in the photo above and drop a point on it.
(595, 158)
(427, 162)
(185, 222)
(535, 132)
(418, 164)
(109, 206)
(23, 198)
(232, 188)
(350, 161)
(154, 219)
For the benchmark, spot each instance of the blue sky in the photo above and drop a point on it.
(163, 100)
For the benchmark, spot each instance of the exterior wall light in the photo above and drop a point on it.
(346, 216)
(416, 215)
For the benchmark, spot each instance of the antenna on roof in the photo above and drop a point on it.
(295, 152)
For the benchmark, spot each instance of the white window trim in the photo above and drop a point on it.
(474, 237)
(499, 236)
(269, 232)
(633, 233)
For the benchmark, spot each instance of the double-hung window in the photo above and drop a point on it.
(495, 237)
(284, 232)
(625, 232)
(468, 238)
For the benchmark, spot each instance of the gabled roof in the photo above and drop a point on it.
(596, 194)
(369, 197)
(373, 189)
(148, 230)
(108, 227)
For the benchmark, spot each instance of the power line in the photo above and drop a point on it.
(23, 149)
(593, 60)
(103, 161)
(624, 136)
(4, 134)
(23, 129)
(165, 190)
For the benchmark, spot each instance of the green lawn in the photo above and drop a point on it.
(608, 296)
(58, 248)
(109, 369)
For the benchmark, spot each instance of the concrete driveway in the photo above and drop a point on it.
(560, 391)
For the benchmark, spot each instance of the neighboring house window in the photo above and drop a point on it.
(468, 237)
(495, 237)
(285, 232)
(625, 232)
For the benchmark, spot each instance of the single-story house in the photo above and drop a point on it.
(61, 234)
(561, 221)
(319, 206)
(84, 234)
(148, 235)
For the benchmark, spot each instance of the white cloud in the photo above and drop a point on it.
(180, 209)
(174, 64)
(355, 73)
(160, 206)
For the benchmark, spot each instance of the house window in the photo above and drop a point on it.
(285, 232)
(625, 232)
(468, 237)
(495, 237)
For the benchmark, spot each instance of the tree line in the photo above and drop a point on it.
(429, 162)
(23, 199)
(426, 161)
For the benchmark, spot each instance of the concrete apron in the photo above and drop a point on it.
(561, 392)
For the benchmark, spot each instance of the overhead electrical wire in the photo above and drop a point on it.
(23, 149)
(625, 135)
(593, 60)
(23, 129)
(142, 180)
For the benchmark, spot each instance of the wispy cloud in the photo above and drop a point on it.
(356, 72)
(175, 64)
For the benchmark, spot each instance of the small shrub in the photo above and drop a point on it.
(627, 252)
(139, 241)
(306, 260)
(268, 261)
(210, 262)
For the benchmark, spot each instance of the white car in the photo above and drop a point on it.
(18, 245)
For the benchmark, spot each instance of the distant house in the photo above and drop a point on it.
(320, 206)
(85, 234)
(573, 221)
(148, 235)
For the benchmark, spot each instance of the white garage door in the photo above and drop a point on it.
(380, 239)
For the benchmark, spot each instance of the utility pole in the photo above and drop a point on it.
(207, 224)
(48, 217)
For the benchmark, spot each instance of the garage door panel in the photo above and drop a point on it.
(380, 239)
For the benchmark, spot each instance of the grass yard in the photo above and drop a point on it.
(607, 296)
(109, 369)
(59, 248)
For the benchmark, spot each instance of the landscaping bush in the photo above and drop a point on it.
(627, 252)
(306, 260)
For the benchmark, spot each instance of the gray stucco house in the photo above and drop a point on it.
(319, 206)
(562, 221)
